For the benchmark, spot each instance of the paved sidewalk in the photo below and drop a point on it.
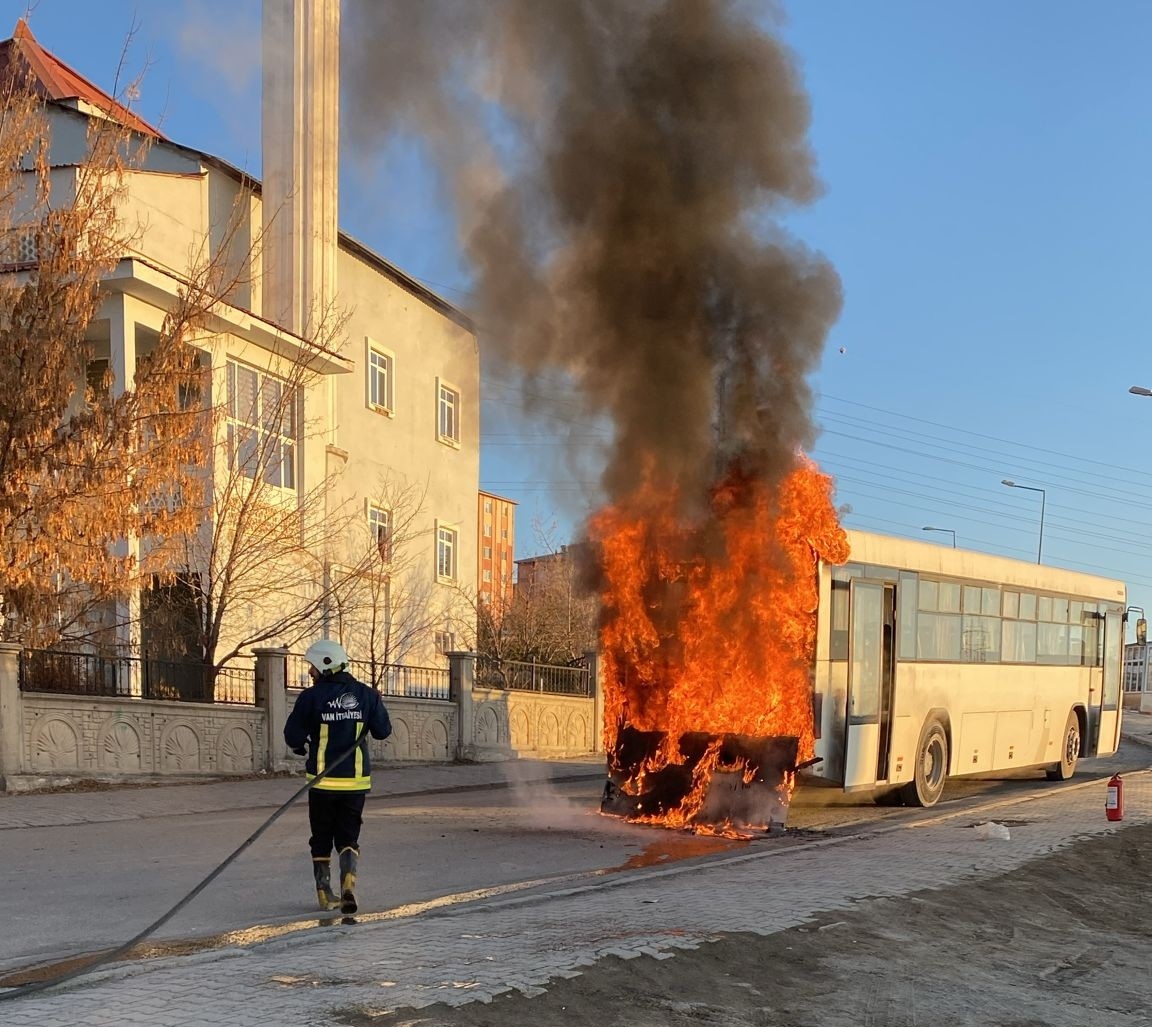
(56, 809)
(472, 950)
(466, 949)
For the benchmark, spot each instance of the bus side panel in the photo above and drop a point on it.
(983, 738)
(975, 746)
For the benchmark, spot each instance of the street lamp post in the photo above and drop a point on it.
(948, 530)
(1043, 498)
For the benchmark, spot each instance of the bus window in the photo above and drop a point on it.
(938, 636)
(1044, 608)
(1059, 610)
(867, 666)
(1052, 644)
(949, 600)
(990, 601)
(1090, 654)
(981, 640)
(1012, 604)
(907, 600)
(1076, 644)
(838, 642)
(1112, 655)
(1019, 641)
(1027, 606)
(929, 591)
(972, 599)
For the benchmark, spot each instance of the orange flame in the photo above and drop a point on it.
(711, 626)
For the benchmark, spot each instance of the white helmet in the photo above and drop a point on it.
(327, 656)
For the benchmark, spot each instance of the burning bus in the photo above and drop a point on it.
(767, 642)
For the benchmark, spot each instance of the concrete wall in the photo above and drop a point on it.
(48, 740)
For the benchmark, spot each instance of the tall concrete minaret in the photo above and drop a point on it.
(301, 107)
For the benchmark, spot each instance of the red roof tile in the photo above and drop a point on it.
(24, 58)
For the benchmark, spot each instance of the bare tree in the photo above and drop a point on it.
(550, 617)
(84, 467)
(389, 607)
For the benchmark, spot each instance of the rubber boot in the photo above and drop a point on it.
(348, 860)
(323, 874)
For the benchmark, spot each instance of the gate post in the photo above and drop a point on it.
(461, 678)
(593, 658)
(272, 698)
(11, 720)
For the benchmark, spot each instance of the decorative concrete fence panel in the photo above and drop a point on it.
(533, 723)
(108, 739)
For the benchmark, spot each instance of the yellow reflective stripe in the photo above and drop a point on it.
(360, 751)
(322, 749)
(345, 784)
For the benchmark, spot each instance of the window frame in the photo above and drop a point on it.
(444, 528)
(378, 516)
(449, 438)
(374, 349)
(288, 445)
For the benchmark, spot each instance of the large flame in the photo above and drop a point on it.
(709, 625)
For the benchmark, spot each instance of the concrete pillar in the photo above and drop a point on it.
(300, 138)
(11, 720)
(272, 698)
(461, 677)
(593, 658)
(123, 314)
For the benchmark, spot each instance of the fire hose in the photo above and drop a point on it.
(122, 950)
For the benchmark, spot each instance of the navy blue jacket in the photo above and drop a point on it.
(330, 717)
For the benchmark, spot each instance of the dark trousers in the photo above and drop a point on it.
(335, 819)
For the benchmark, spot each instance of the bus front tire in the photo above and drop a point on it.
(927, 784)
(1069, 751)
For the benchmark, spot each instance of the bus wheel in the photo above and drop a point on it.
(927, 784)
(1069, 751)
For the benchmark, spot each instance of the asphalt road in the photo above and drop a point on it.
(79, 889)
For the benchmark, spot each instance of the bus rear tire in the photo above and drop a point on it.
(931, 768)
(1069, 751)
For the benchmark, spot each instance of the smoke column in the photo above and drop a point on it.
(616, 167)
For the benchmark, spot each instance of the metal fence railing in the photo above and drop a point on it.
(70, 673)
(531, 676)
(386, 678)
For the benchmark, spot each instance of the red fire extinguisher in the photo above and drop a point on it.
(1114, 804)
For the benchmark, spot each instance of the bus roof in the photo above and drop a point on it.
(915, 555)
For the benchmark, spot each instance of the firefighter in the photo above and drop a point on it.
(331, 717)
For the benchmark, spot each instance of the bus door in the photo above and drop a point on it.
(1104, 716)
(871, 677)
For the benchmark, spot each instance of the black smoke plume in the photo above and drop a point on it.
(618, 167)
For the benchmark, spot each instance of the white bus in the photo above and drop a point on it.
(933, 662)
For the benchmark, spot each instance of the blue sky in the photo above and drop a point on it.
(988, 206)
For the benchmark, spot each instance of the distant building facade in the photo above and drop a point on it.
(496, 549)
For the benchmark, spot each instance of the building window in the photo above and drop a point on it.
(487, 552)
(262, 426)
(445, 641)
(380, 526)
(448, 420)
(381, 379)
(446, 545)
(487, 575)
(487, 505)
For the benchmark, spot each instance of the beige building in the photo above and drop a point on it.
(388, 408)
